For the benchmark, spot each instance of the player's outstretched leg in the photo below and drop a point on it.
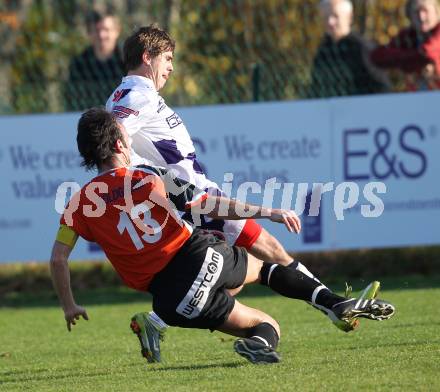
(150, 331)
(294, 283)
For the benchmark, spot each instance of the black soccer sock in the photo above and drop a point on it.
(296, 265)
(293, 265)
(264, 333)
(293, 283)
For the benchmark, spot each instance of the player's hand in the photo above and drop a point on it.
(72, 314)
(288, 217)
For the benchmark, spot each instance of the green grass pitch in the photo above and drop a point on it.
(402, 354)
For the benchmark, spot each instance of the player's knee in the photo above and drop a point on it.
(234, 292)
(268, 248)
(253, 270)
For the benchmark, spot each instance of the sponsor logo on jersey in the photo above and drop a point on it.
(174, 120)
(119, 94)
(161, 105)
(123, 112)
(194, 301)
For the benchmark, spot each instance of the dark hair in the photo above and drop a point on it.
(95, 16)
(98, 132)
(150, 39)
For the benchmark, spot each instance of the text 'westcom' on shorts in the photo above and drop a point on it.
(190, 292)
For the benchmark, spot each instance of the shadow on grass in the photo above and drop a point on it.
(198, 367)
(121, 295)
(19, 376)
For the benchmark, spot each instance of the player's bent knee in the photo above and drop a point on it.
(234, 292)
(254, 266)
(268, 248)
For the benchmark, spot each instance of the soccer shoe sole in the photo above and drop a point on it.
(145, 350)
(350, 324)
(255, 352)
(375, 310)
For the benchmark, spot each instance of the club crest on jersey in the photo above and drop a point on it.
(174, 120)
(119, 94)
(123, 112)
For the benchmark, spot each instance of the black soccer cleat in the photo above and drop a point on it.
(256, 352)
(373, 309)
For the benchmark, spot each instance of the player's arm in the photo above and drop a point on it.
(59, 269)
(219, 207)
(187, 197)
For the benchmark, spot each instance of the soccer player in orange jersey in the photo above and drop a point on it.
(161, 138)
(131, 213)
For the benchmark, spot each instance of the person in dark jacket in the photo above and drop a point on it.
(416, 49)
(99, 68)
(341, 65)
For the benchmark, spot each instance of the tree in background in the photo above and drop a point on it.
(46, 40)
(225, 42)
(225, 49)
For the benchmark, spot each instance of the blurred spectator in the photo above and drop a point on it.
(341, 65)
(416, 49)
(95, 73)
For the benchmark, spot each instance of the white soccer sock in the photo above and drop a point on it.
(156, 319)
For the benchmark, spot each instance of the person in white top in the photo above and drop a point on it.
(160, 138)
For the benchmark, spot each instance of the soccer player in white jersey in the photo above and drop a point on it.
(160, 138)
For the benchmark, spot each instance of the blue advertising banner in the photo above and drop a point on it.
(361, 171)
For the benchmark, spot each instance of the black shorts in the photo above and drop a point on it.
(190, 292)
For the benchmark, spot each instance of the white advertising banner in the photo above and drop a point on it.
(37, 154)
(394, 139)
(375, 160)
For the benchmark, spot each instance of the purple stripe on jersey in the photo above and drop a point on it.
(168, 150)
(196, 165)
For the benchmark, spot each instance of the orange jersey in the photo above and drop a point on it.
(131, 213)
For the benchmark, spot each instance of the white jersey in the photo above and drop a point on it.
(161, 139)
(158, 133)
